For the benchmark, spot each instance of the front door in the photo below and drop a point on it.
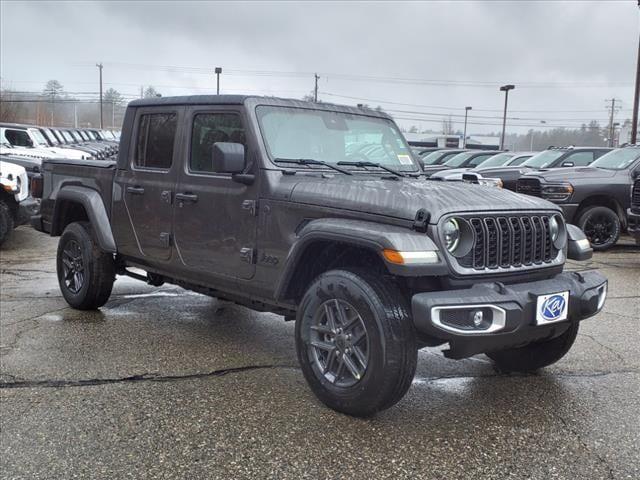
(145, 190)
(215, 217)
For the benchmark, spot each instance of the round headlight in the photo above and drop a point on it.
(554, 228)
(451, 234)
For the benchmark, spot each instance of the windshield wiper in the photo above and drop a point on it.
(372, 164)
(311, 161)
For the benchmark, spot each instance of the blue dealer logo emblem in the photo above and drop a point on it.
(553, 307)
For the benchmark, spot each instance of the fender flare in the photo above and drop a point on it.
(96, 211)
(370, 235)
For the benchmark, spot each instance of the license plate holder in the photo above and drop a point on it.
(552, 308)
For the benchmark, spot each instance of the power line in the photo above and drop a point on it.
(369, 78)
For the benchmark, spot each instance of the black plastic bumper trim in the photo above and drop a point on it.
(519, 302)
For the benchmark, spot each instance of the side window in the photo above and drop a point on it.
(209, 128)
(156, 137)
(580, 159)
(18, 138)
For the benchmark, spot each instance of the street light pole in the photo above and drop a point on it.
(464, 138)
(218, 71)
(99, 65)
(636, 100)
(505, 89)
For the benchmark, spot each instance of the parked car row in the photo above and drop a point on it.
(50, 142)
(597, 198)
(591, 184)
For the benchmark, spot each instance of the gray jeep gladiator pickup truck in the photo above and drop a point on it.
(320, 213)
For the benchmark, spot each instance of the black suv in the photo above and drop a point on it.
(596, 198)
(319, 212)
(554, 157)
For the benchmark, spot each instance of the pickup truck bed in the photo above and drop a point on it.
(59, 173)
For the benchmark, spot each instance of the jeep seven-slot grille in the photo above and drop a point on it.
(529, 186)
(635, 196)
(509, 241)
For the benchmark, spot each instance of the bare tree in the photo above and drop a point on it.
(11, 108)
(151, 92)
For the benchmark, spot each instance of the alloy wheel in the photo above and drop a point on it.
(73, 266)
(339, 345)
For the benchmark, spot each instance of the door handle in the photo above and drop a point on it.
(135, 190)
(187, 197)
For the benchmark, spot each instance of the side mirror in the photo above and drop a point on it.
(228, 157)
(568, 164)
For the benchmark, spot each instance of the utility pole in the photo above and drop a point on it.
(505, 89)
(464, 135)
(218, 71)
(113, 113)
(315, 90)
(636, 99)
(612, 112)
(99, 65)
(75, 114)
(141, 91)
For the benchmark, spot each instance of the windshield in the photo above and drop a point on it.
(332, 137)
(617, 159)
(519, 160)
(38, 137)
(544, 159)
(497, 160)
(52, 138)
(68, 137)
(459, 159)
(433, 157)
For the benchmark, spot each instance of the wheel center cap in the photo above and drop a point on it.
(341, 341)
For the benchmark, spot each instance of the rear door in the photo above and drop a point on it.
(215, 217)
(144, 194)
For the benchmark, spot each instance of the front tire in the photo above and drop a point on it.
(85, 273)
(602, 227)
(536, 355)
(356, 342)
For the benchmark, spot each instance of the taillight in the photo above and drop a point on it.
(35, 186)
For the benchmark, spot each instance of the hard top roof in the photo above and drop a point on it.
(250, 100)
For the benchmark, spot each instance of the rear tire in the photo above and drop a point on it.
(85, 273)
(536, 355)
(602, 227)
(371, 333)
(6, 222)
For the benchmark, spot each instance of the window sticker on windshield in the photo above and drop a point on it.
(404, 159)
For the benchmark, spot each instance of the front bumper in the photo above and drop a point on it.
(26, 209)
(516, 322)
(634, 223)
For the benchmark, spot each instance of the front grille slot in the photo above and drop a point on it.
(509, 241)
(529, 186)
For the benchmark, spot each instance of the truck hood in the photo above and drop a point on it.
(491, 172)
(556, 175)
(403, 198)
(450, 174)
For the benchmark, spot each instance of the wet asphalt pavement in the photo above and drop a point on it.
(163, 383)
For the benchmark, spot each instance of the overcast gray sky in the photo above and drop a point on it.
(418, 60)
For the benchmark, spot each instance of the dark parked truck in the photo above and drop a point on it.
(555, 157)
(596, 198)
(319, 212)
